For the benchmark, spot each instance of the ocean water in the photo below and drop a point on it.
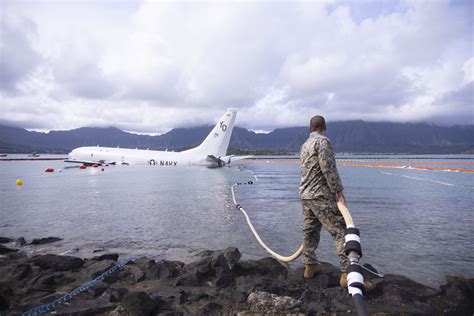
(413, 222)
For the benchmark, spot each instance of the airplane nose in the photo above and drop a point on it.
(72, 154)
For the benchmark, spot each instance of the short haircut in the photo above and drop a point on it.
(317, 123)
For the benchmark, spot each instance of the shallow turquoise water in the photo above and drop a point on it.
(419, 227)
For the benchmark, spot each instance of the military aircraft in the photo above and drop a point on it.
(211, 153)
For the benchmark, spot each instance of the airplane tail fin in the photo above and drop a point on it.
(217, 142)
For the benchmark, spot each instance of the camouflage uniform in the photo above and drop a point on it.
(319, 183)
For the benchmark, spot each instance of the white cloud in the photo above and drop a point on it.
(468, 69)
(18, 59)
(151, 66)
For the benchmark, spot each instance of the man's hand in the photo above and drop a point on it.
(340, 197)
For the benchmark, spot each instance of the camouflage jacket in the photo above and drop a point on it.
(319, 176)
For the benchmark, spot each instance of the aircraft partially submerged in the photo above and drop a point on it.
(211, 153)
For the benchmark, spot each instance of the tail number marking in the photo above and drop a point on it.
(223, 126)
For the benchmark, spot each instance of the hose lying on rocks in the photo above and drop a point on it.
(49, 307)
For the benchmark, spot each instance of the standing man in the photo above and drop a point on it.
(320, 190)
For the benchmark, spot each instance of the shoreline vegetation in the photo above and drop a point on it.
(217, 283)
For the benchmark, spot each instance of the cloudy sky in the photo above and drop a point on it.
(148, 66)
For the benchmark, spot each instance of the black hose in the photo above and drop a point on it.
(360, 305)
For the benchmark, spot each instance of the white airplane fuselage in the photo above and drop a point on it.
(211, 152)
(139, 156)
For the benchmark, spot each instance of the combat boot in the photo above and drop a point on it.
(311, 269)
(369, 286)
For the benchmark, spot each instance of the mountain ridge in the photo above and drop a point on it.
(347, 136)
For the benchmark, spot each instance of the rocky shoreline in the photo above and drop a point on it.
(218, 283)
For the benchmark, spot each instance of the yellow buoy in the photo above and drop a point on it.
(19, 182)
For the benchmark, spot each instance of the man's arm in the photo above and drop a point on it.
(327, 163)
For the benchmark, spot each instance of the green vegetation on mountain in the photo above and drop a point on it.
(347, 136)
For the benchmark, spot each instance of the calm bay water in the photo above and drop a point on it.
(417, 223)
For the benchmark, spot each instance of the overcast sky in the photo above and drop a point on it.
(148, 66)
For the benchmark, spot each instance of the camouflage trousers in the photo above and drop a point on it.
(317, 213)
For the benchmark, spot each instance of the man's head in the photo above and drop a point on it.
(317, 124)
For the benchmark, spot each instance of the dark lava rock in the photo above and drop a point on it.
(316, 308)
(145, 263)
(3, 303)
(115, 294)
(223, 274)
(20, 241)
(232, 255)
(238, 297)
(224, 278)
(263, 283)
(218, 283)
(22, 271)
(109, 256)
(4, 240)
(195, 297)
(98, 290)
(189, 278)
(272, 267)
(51, 279)
(316, 301)
(461, 292)
(92, 269)
(266, 302)
(47, 240)
(15, 255)
(198, 272)
(164, 269)
(266, 266)
(396, 288)
(209, 308)
(57, 263)
(170, 313)
(79, 306)
(459, 289)
(138, 303)
(5, 250)
(212, 269)
(137, 273)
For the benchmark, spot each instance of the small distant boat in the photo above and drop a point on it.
(3, 155)
(33, 155)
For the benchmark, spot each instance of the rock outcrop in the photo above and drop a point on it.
(218, 283)
(47, 240)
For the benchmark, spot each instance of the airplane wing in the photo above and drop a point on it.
(90, 163)
(222, 161)
(237, 158)
(216, 161)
